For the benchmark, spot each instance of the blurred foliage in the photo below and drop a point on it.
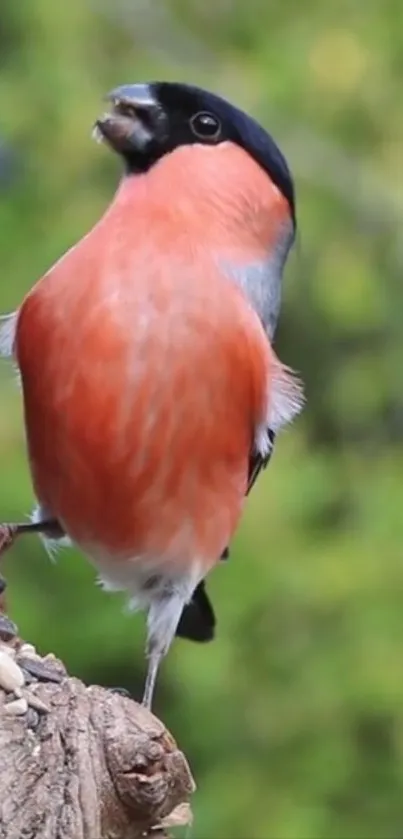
(293, 718)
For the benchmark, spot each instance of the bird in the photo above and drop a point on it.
(151, 390)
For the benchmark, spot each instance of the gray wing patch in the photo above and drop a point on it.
(8, 324)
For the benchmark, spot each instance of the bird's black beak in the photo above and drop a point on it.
(134, 121)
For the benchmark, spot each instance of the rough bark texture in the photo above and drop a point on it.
(81, 762)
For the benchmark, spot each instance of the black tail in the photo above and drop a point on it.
(197, 621)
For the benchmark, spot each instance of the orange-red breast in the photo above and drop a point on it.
(151, 389)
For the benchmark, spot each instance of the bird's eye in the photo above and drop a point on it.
(205, 125)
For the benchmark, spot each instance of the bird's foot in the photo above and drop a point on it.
(121, 692)
(8, 535)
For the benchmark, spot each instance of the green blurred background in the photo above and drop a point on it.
(293, 718)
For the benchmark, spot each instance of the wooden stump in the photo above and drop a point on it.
(80, 762)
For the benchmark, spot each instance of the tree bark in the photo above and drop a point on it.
(80, 762)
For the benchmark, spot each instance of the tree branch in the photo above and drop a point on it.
(80, 762)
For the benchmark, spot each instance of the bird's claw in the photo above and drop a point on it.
(8, 534)
(121, 692)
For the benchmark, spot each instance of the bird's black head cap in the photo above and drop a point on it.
(150, 120)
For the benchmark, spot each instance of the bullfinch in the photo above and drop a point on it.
(151, 390)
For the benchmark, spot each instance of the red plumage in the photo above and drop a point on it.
(148, 379)
(143, 384)
(145, 375)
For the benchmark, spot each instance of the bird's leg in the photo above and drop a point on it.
(154, 660)
(163, 617)
(10, 532)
